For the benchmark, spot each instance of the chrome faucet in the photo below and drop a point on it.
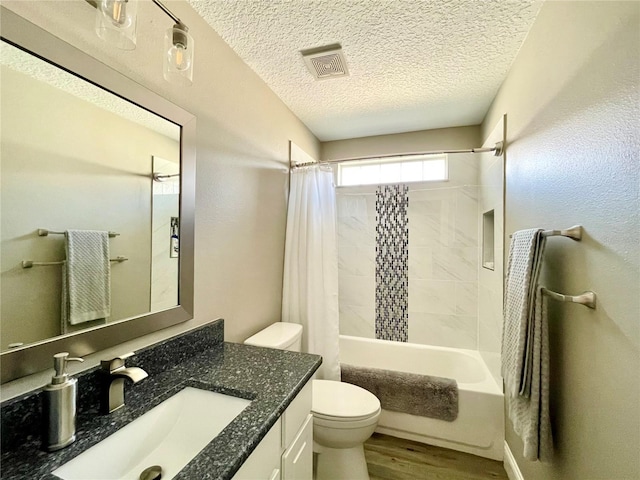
(113, 376)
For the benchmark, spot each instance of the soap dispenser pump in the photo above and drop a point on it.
(59, 405)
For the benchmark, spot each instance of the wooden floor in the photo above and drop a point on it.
(390, 458)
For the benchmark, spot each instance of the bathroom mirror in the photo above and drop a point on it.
(85, 148)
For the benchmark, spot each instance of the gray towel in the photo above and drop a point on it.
(523, 269)
(86, 286)
(422, 395)
(530, 416)
(525, 346)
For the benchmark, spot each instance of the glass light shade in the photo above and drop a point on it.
(178, 56)
(116, 22)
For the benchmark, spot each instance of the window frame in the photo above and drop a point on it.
(390, 160)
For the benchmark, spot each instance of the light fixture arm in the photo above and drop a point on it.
(178, 37)
(162, 7)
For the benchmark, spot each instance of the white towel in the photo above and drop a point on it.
(525, 346)
(86, 286)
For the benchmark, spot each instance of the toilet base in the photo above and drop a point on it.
(340, 464)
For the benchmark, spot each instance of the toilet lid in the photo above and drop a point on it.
(340, 400)
(277, 335)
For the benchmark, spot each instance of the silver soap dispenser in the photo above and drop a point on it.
(59, 406)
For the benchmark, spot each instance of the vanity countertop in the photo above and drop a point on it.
(270, 378)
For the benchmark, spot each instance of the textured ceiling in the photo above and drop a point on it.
(23, 62)
(413, 64)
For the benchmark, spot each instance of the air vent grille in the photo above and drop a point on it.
(326, 62)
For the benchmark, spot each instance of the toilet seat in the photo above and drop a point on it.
(340, 424)
(343, 402)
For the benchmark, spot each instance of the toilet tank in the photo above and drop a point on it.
(280, 335)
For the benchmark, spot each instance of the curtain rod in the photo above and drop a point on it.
(497, 150)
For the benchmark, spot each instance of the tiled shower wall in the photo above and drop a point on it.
(357, 260)
(490, 281)
(392, 266)
(443, 267)
(442, 259)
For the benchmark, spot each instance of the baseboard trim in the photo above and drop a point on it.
(510, 465)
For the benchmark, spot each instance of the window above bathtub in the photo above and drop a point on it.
(401, 169)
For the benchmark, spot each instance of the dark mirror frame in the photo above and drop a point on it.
(36, 357)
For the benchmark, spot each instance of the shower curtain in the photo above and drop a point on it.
(310, 284)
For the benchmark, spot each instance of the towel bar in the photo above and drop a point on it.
(43, 232)
(574, 232)
(31, 263)
(586, 298)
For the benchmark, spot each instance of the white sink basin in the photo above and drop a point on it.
(169, 435)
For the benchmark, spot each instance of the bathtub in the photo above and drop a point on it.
(479, 428)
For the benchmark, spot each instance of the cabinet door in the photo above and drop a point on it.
(295, 415)
(263, 463)
(297, 461)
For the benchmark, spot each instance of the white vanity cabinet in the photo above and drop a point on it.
(297, 438)
(264, 461)
(297, 460)
(286, 452)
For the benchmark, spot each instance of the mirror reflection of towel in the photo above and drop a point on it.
(86, 285)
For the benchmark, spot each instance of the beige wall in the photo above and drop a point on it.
(572, 157)
(60, 171)
(243, 133)
(424, 140)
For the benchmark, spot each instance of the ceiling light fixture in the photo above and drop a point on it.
(116, 22)
(178, 58)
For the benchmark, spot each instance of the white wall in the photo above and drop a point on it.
(166, 205)
(243, 133)
(443, 241)
(356, 229)
(443, 258)
(572, 157)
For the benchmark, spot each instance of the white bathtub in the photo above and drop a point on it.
(479, 428)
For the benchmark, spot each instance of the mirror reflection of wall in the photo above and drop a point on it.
(74, 156)
(166, 234)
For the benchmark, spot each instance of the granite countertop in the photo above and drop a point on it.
(270, 378)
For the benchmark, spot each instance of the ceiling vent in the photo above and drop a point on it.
(325, 62)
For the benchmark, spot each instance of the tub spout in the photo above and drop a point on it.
(114, 373)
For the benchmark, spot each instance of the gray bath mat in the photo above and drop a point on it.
(422, 395)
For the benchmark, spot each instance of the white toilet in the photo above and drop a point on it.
(344, 415)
